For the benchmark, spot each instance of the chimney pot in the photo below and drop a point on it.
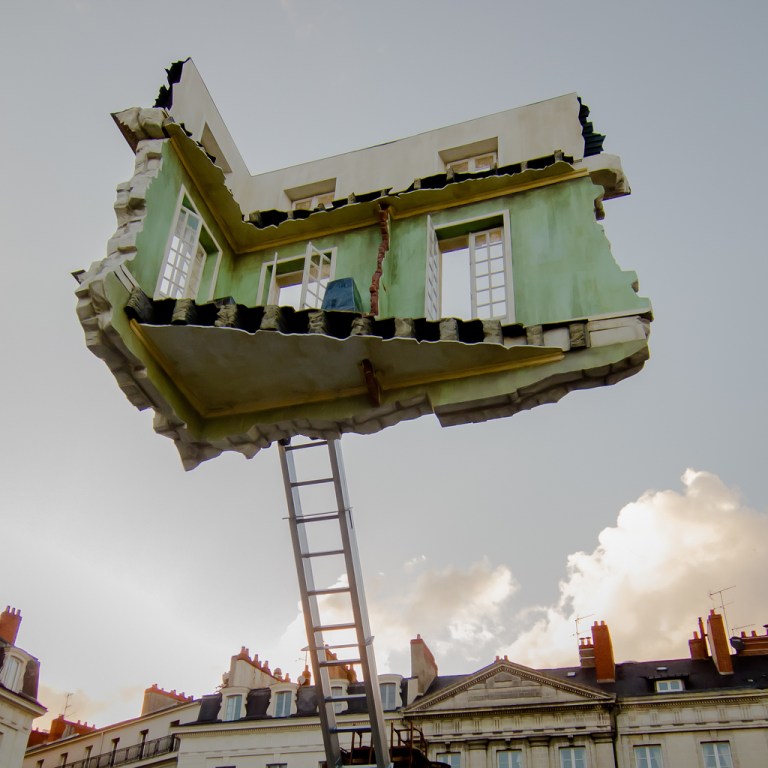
(10, 621)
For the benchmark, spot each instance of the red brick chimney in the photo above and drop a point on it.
(698, 643)
(752, 645)
(586, 653)
(718, 643)
(156, 698)
(423, 665)
(10, 621)
(605, 668)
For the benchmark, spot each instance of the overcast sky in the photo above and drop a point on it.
(627, 504)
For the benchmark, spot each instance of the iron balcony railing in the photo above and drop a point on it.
(131, 754)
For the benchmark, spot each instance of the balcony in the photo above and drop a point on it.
(144, 751)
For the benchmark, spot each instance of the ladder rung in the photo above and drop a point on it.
(346, 697)
(333, 627)
(339, 662)
(324, 553)
(327, 591)
(313, 444)
(319, 481)
(352, 729)
(317, 518)
(334, 647)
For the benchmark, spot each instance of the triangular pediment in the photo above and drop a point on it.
(505, 684)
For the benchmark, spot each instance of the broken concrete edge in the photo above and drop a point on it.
(549, 390)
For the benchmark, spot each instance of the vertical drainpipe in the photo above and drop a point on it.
(383, 248)
(613, 714)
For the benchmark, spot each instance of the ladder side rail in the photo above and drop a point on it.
(359, 609)
(311, 612)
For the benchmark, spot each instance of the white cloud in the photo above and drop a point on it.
(650, 576)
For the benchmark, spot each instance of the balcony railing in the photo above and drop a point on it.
(130, 754)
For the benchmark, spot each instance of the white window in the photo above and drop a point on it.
(509, 758)
(473, 164)
(648, 757)
(299, 281)
(469, 270)
(283, 701)
(234, 707)
(669, 686)
(312, 202)
(10, 673)
(450, 758)
(336, 691)
(188, 249)
(388, 696)
(717, 754)
(573, 757)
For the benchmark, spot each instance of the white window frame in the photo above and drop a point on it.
(174, 273)
(509, 758)
(648, 756)
(313, 201)
(433, 278)
(483, 161)
(315, 269)
(451, 758)
(233, 707)
(573, 757)
(671, 685)
(283, 698)
(388, 693)
(717, 754)
(10, 675)
(339, 688)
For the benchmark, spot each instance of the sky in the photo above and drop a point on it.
(630, 504)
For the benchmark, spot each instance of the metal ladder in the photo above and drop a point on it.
(324, 540)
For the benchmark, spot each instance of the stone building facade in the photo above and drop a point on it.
(708, 710)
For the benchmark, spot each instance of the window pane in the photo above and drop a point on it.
(510, 758)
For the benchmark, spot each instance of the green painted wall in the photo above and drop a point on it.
(152, 241)
(562, 262)
(355, 257)
(562, 266)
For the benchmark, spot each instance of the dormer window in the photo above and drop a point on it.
(472, 158)
(309, 197)
(315, 201)
(389, 689)
(473, 164)
(283, 700)
(673, 685)
(10, 674)
(234, 705)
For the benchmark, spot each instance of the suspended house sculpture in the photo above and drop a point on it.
(460, 272)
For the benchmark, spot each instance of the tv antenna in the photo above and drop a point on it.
(723, 604)
(581, 618)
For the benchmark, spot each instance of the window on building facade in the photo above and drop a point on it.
(669, 686)
(10, 673)
(473, 164)
(283, 701)
(338, 706)
(190, 246)
(648, 756)
(469, 270)
(509, 758)
(234, 705)
(450, 758)
(717, 754)
(573, 757)
(301, 281)
(388, 696)
(313, 201)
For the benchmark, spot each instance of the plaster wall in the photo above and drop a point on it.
(524, 133)
(157, 725)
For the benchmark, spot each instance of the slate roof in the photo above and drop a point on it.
(633, 680)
